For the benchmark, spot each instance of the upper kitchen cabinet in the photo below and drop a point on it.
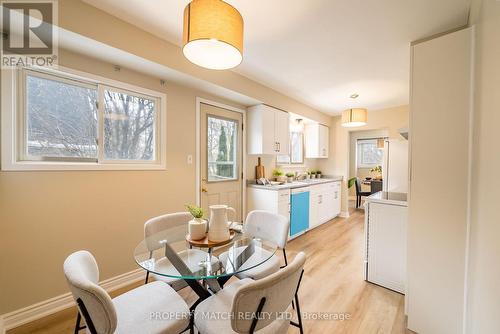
(316, 138)
(268, 130)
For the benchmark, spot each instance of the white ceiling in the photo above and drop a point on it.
(318, 51)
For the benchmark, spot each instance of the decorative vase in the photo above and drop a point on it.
(318, 176)
(313, 176)
(218, 227)
(281, 178)
(197, 228)
(290, 179)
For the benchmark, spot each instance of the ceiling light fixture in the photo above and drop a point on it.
(354, 117)
(213, 34)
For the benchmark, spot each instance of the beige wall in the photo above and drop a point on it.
(390, 119)
(484, 269)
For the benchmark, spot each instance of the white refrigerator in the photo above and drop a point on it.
(395, 166)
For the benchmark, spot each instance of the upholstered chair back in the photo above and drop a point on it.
(268, 226)
(278, 289)
(177, 223)
(82, 274)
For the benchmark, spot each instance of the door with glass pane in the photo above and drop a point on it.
(221, 158)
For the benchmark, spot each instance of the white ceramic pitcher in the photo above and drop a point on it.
(218, 226)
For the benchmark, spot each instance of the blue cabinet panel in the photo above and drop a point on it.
(299, 215)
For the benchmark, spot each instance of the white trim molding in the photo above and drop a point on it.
(13, 113)
(2, 327)
(53, 305)
(344, 214)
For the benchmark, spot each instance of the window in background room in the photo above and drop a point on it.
(296, 150)
(67, 119)
(222, 145)
(368, 154)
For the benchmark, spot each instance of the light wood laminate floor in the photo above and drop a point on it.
(332, 286)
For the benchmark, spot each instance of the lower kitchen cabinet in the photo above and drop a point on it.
(305, 207)
(324, 203)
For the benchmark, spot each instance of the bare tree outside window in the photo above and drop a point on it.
(61, 119)
(129, 131)
(221, 149)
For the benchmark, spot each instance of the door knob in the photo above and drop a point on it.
(204, 190)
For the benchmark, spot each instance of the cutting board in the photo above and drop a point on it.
(259, 170)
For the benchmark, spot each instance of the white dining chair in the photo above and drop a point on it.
(266, 226)
(147, 309)
(178, 223)
(245, 301)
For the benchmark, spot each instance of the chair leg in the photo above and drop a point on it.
(77, 325)
(299, 315)
(147, 276)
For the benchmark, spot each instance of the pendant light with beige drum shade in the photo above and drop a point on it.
(213, 34)
(354, 117)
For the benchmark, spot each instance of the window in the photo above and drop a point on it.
(60, 118)
(369, 155)
(78, 121)
(129, 126)
(296, 150)
(222, 144)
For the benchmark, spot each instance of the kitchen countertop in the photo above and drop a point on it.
(297, 184)
(388, 198)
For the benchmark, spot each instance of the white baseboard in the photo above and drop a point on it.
(50, 306)
(344, 214)
(2, 327)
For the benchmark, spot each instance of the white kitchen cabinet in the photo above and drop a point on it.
(316, 140)
(314, 203)
(385, 229)
(275, 201)
(268, 130)
(324, 203)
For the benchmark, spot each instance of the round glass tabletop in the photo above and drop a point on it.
(168, 253)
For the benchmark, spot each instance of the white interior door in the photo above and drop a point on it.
(221, 158)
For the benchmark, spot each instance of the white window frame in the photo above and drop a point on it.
(13, 115)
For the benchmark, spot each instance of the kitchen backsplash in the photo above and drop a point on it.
(269, 163)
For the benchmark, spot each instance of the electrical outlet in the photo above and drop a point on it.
(190, 159)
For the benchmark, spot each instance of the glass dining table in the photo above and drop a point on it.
(205, 268)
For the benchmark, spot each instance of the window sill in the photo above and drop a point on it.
(78, 166)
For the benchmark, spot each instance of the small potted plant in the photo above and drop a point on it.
(290, 176)
(318, 174)
(197, 227)
(377, 172)
(308, 175)
(313, 174)
(279, 175)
